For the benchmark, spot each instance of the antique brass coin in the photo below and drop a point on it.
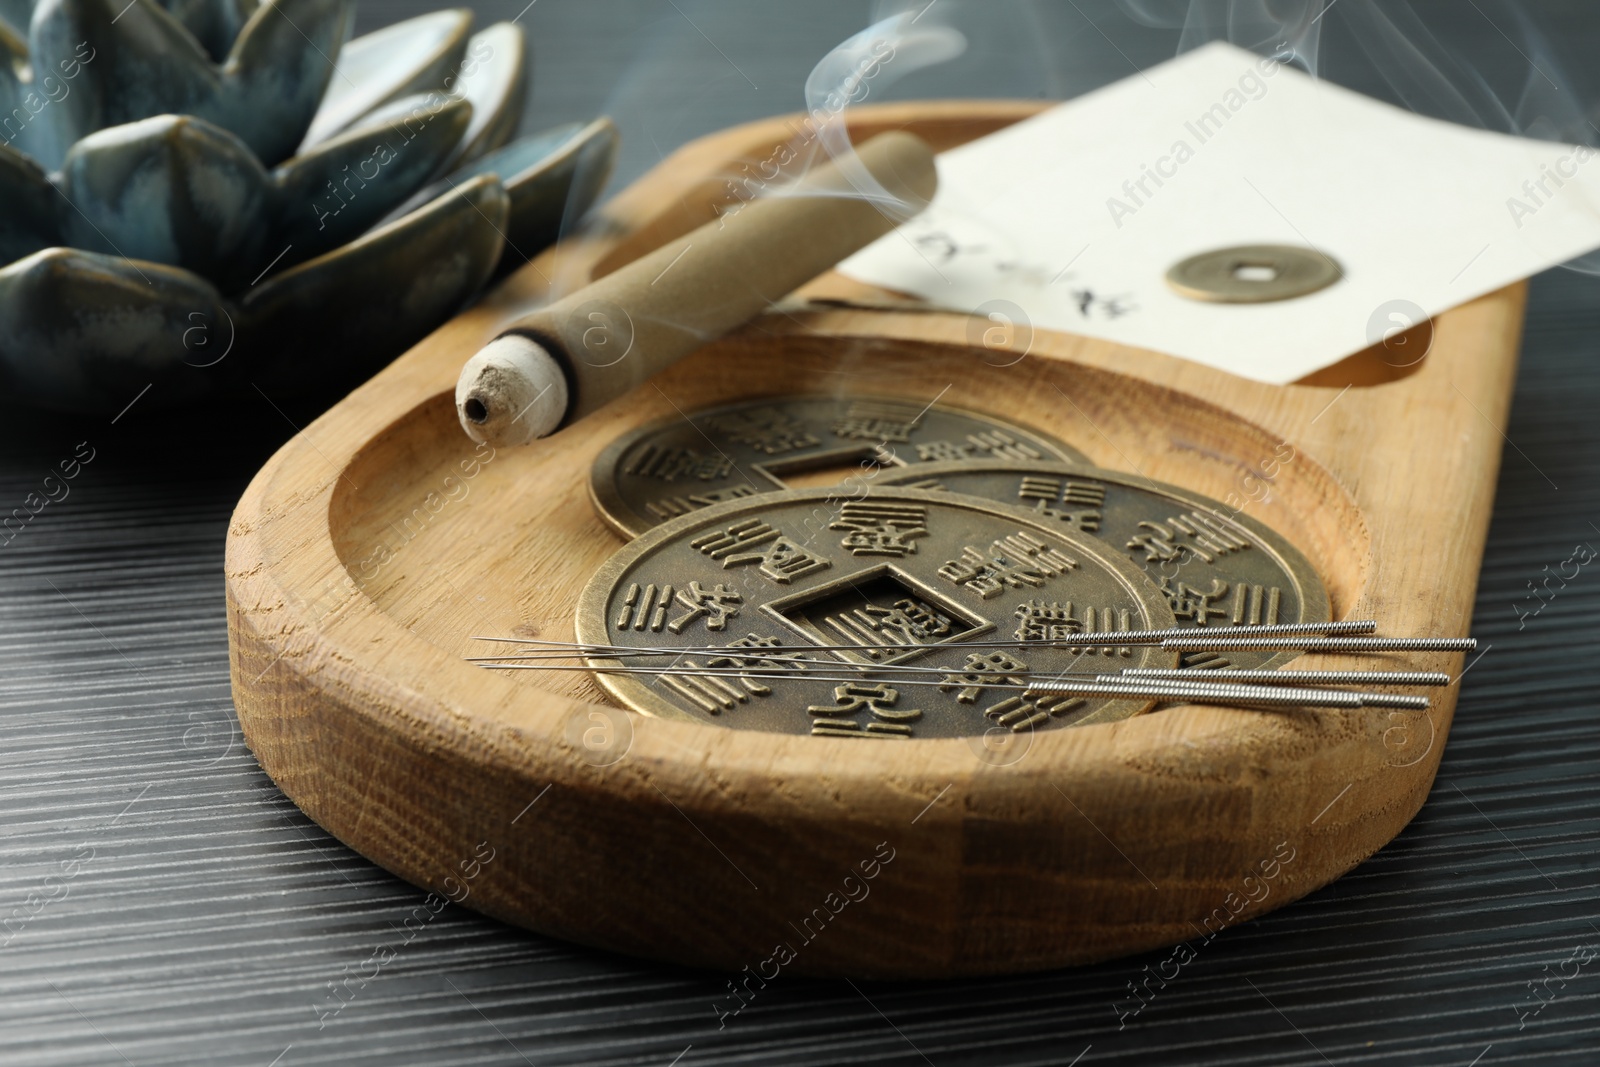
(886, 614)
(1215, 567)
(680, 464)
(1253, 274)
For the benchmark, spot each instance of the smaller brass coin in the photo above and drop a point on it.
(683, 463)
(890, 614)
(1215, 566)
(1253, 274)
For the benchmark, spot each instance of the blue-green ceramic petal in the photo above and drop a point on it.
(28, 206)
(351, 311)
(16, 14)
(86, 332)
(549, 196)
(277, 73)
(494, 79)
(552, 178)
(526, 153)
(36, 116)
(13, 68)
(13, 50)
(214, 23)
(413, 56)
(130, 60)
(339, 189)
(172, 189)
(399, 108)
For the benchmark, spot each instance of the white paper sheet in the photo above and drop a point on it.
(1076, 215)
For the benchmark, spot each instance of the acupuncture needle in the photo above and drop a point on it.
(1268, 696)
(800, 664)
(1293, 696)
(1109, 637)
(1189, 643)
(1259, 696)
(897, 672)
(1374, 700)
(1312, 631)
(788, 656)
(780, 653)
(788, 676)
(1127, 676)
(744, 654)
(1280, 677)
(1187, 679)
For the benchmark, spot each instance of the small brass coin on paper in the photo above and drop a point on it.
(891, 614)
(680, 464)
(1253, 274)
(1215, 567)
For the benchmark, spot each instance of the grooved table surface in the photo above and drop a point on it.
(162, 903)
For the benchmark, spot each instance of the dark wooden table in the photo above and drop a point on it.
(162, 903)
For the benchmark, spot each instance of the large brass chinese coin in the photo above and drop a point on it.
(1214, 565)
(893, 614)
(683, 463)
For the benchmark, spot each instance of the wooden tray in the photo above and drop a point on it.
(371, 548)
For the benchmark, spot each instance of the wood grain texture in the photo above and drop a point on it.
(353, 594)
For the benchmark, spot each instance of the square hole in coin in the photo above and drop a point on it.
(886, 615)
(1255, 272)
(833, 467)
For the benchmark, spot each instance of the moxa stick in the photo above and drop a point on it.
(562, 362)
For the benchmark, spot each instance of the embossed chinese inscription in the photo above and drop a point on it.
(753, 541)
(1016, 560)
(1192, 536)
(670, 507)
(877, 617)
(996, 444)
(879, 528)
(669, 464)
(880, 420)
(684, 463)
(896, 615)
(715, 605)
(771, 431)
(1076, 501)
(719, 683)
(1038, 620)
(985, 669)
(863, 709)
(1212, 568)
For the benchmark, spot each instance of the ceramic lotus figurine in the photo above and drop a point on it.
(204, 193)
